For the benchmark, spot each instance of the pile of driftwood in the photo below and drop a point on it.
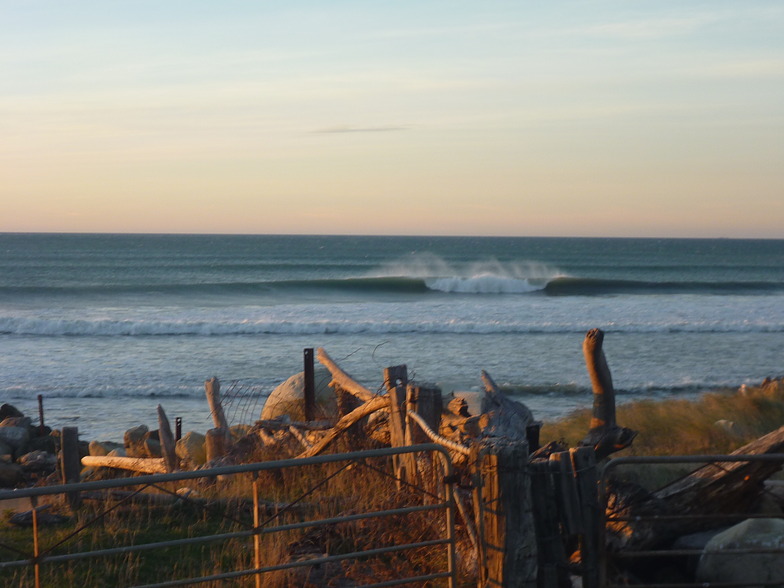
(405, 413)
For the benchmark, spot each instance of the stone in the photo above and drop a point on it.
(288, 397)
(38, 460)
(728, 427)
(9, 410)
(190, 448)
(20, 421)
(152, 447)
(747, 569)
(10, 475)
(133, 441)
(119, 452)
(6, 450)
(101, 448)
(45, 443)
(239, 431)
(15, 437)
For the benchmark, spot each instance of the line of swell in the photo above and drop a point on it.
(142, 328)
(591, 287)
(383, 284)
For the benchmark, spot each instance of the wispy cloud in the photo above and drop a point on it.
(349, 129)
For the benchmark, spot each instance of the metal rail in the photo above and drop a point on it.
(446, 504)
(616, 463)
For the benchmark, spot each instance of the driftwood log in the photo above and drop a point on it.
(604, 435)
(341, 378)
(146, 465)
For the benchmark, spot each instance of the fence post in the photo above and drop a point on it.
(309, 394)
(503, 509)
(551, 555)
(396, 381)
(70, 463)
(584, 460)
(426, 401)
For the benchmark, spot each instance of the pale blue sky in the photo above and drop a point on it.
(649, 118)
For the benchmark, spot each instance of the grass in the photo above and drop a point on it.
(322, 491)
(715, 423)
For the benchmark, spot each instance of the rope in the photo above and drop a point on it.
(436, 438)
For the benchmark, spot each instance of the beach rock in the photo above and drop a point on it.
(45, 443)
(10, 475)
(101, 448)
(239, 431)
(747, 568)
(119, 452)
(152, 447)
(728, 427)
(15, 437)
(38, 460)
(288, 397)
(8, 410)
(18, 421)
(6, 452)
(133, 441)
(190, 448)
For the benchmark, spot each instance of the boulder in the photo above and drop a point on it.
(6, 452)
(152, 447)
(10, 475)
(101, 448)
(288, 397)
(8, 410)
(19, 421)
(745, 568)
(38, 460)
(133, 441)
(16, 438)
(190, 448)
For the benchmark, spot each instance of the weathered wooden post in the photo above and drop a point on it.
(70, 462)
(309, 394)
(551, 554)
(212, 391)
(396, 382)
(167, 441)
(41, 426)
(587, 478)
(502, 506)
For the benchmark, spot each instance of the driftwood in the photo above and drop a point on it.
(376, 403)
(146, 465)
(605, 436)
(501, 416)
(212, 391)
(167, 441)
(342, 379)
(714, 489)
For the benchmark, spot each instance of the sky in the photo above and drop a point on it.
(593, 118)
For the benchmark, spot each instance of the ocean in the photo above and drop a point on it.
(106, 327)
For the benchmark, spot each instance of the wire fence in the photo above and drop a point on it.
(230, 526)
